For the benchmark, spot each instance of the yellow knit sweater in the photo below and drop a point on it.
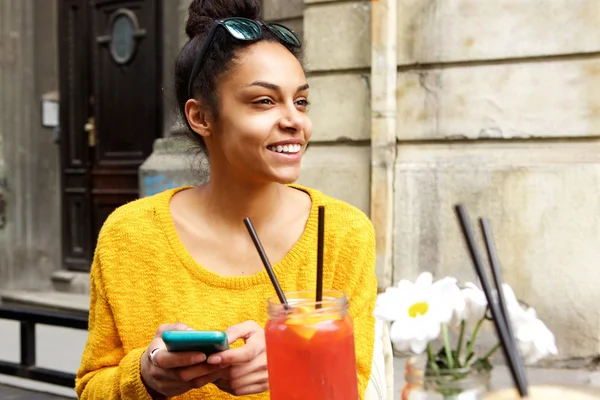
(142, 277)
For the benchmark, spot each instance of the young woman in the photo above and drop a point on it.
(185, 254)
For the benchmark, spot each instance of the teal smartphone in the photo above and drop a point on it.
(207, 342)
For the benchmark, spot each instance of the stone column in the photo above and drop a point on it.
(172, 162)
(30, 237)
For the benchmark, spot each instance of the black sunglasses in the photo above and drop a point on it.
(241, 29)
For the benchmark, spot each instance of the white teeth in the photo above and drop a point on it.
(288, 148)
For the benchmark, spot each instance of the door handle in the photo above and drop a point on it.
(90, 128)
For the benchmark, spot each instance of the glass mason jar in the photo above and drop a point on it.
(310, 348)
(450, 384)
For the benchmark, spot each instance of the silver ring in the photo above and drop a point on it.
(152, 354)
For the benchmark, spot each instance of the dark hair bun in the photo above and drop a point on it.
(202, 13)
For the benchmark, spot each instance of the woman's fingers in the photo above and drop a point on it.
(243, 330)
(251, 377)
(172, 374)
(166, 360)
(209, 378)
(255, 378)
(254, 337)
(237, 371)
(256, 382)
(178, 326)
(252, 389)
(240, 370)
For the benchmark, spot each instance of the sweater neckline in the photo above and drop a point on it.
(294, 256)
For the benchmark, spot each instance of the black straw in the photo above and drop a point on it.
(320, 240)
(501, 324)
(266, 263)
(488, 239)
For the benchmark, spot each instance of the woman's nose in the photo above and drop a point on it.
(291, 120)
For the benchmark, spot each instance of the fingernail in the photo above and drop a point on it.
(215, 360)
(199, 358)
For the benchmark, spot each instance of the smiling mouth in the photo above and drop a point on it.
(287, 149)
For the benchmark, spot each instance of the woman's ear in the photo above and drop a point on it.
(198, 117)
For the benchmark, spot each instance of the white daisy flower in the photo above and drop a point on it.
(417, 310)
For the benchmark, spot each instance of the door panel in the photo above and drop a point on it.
(111, 111)
(77, 244)
(127, 105)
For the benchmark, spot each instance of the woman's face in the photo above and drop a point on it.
(263, 128)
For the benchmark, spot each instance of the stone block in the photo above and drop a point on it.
(340, 107)
(282, 9)
(340, 171)
(183, 16)
(527, 100)
(1, 157)
(463, 30)
(338, 35)
(540, 200)
(173, 163)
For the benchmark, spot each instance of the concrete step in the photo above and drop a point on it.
(65, 303)
(27, 392)
(65, 281)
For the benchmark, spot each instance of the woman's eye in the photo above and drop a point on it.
(303, 103)
(264, 102)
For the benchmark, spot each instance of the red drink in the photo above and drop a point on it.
(310, 351)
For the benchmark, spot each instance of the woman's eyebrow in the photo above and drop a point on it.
(275, 87)
(302, 87)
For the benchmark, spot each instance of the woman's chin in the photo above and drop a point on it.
(287, 181)
(286, 176)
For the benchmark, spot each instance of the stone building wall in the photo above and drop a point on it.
(498, 107)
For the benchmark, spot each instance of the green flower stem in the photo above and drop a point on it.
(461, 338)
(434, 366)
(447, 346)
(491, 352)
(472, 340)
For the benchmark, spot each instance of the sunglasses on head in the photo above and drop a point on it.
(241, 29)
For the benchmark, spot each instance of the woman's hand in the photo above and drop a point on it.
(247, 373)
(172, 374)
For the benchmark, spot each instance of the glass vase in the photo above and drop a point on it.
(447, 384)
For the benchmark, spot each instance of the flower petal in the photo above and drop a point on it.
(388, 304)
(431, 328)
(397, 337)
(424, 280)
(443, 300)
(418, 346)
(534, 339)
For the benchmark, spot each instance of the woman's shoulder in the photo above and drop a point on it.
(138, 216)
(340, 215)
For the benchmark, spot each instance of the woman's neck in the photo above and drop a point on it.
(229, 202)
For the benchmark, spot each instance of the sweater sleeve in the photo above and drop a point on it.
(355, 275)
(106, 372)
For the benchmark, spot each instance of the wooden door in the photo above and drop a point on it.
(111, 109)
